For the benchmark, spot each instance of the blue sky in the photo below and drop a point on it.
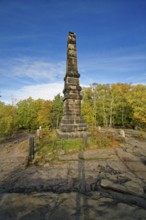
(111, 44)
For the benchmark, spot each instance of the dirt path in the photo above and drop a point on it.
(13, 157)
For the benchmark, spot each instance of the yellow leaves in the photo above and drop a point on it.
(6, 118)
(43, 117)
(120, 103)
(88, 113)
(140, 115)
(137, 99)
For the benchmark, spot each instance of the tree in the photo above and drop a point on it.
(27, 112)
(44, 114)
(57, 111)
(87, 107)
(7, 115)
(122, 109)
(104, 102)
(107, 105)
(137, 100)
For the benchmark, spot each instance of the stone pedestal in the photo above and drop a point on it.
(72, 124)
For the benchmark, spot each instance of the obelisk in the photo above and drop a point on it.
(72, 124)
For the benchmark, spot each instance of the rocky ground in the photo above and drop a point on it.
(101, 184)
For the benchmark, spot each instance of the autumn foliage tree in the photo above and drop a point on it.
(88, 107)
(27, 112)
(56, 111)
(31, 114)
(137, 100)
(44, 113)
(7, 118)
(117, 104)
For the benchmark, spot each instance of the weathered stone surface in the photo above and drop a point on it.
(101, 154)
(133, 163)
(91, 184)
(69, 206)
(72, 121)
(128, 188)
(134, 188)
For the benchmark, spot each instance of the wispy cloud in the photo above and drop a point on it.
(137, 79)
(39, 69)
(38, 78)
(42, 78)
(44, 91)
(33, 68)
(113, 62)
(113, 67)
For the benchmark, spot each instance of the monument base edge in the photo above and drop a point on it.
(72, 135)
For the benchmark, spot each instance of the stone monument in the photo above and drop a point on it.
(72, 124)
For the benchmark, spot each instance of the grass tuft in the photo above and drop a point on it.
(49, 148)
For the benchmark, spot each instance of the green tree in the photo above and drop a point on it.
(122, 113)
(57, 111)
(7, 116)
(137, 100)
(107, 105)
(44, 114)
(104, 104)
(27, 112)
(87, 107)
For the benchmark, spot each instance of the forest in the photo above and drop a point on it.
(108, 105)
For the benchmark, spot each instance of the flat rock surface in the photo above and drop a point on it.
(107, 183)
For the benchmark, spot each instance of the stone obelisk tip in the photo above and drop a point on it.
(70, 32)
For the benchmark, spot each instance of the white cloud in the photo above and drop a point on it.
(113, 63)
(43, 91)
(33, 68)
(137, 79)
(37, 69)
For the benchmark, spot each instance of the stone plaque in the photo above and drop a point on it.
(72, 80)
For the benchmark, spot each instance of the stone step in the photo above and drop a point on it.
(72, 121)
(73, 127)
